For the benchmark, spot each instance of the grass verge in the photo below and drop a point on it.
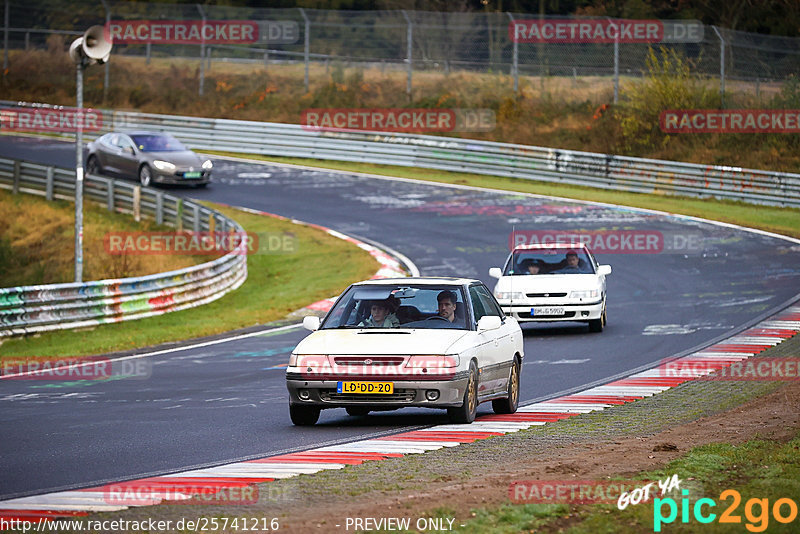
(784, 221)
(276, 285)
(760, 472)
(37, 243)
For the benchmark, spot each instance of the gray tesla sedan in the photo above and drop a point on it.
(150, 157)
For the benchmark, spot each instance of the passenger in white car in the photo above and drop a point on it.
(381, 316)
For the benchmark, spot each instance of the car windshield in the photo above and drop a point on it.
(157, 143)
(549, 261)
(398, 306)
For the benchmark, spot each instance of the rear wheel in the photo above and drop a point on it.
(466, 412)
(510, 403)
(356, 411)
(303, 415)
(93, 166)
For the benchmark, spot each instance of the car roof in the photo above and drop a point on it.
(420, 280)
(140, 132)
(540, 246)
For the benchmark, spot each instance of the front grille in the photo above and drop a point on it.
(545, 295)
(527, 315)
(373, 360)
(399, 395)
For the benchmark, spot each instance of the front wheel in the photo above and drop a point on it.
(465, 413)
(93, 166)
(597, 325)
(511, 402)
(303, 415)
(145, 175)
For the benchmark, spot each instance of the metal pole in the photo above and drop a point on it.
(106, 74)
(147, 52)
(79, 174)
(721, 68)
(515, 61)
(616, 62)
(306, 45)
(5, 37)
(202, 50)
(409, 41)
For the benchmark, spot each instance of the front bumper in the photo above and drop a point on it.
(572, 312)
(178, 177)
(322, 393)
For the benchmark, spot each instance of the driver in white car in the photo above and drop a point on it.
(447, 305)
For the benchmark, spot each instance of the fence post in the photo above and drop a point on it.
(159, 208)
(179, 215)
(721, 68)
(195, 217)
(106, 74)
(110, 196)
(306, 45)
(409, 51)
(515, 57)
(202, 50)
(137, 203)
(5, 37)
(208, 57)
(15, 187)
(616, 60)
(147, 54)
(27, 41)
(48, 191)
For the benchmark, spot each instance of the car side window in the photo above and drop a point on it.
(477, 305)
(490, 306)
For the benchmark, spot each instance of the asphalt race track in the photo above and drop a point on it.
(213, 404)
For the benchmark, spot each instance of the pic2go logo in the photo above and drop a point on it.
(756, 511)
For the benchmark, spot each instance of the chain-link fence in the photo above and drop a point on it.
(410, 41)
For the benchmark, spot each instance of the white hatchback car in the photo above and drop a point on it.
(553, 282)
(391, 343)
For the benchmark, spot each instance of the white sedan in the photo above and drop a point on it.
(392, 343)
(553, 282)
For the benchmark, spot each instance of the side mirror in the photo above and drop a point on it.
(495, 272)
(311, 322)
(489, 322)
(604, 269)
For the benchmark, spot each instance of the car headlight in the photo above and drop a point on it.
(587, 294)
(308, 360)
(163, 165)
(207, 164)
(509, 295)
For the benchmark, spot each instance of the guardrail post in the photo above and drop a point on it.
(179, 215)
(212, 223)
(48, 187)
(195, 217)
(159, 208)
(137, 203)
(110, 195)
(15, 187)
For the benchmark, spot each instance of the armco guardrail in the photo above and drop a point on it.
(30, 309)
(467, 155)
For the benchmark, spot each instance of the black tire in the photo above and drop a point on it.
(357, 411)
(201, 186)
(145, 175)
(303, 415)
(597, 325)
(465, 413)
(93, 166)
(510, 403)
